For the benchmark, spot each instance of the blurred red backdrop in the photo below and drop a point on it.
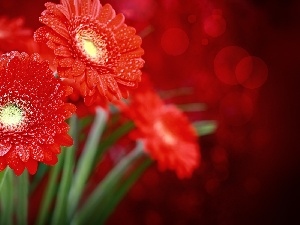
(240, 58)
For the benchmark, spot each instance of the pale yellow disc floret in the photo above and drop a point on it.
(11, 115)
(164, 132)
(92, 46)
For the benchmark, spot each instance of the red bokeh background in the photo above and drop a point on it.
(195, 52)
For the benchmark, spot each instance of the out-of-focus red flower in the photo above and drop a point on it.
(13, 36)
(93, 47)
(32, 113)
(168, 136)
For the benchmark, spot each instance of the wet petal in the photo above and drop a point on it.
(106, 14)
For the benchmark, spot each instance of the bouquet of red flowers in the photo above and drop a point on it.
(71, 94)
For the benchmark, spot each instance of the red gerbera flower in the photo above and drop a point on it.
(93, 47)
(13, 36)
(32, 113)
(168, 135)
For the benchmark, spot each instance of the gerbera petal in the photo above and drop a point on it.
(78, 79)
(63, 139)
(66, 62)
(91, 92)
(62, 51)
(88, 100)
(106, 14)
(130, 43)
(91, 77)
(55, 25)
(23, 152)
(4, 148)
(124, 32)
(95, 8)
(51, 45)
(78, 68)
(130, 70)
(55, 148)
(65, 8)
(112, 85)
(40, 34)
(64, 127)
(83, 89)
(124, 90)
(126, 83)
(85, 7)
(52, 161)
(57, 39)
(101, 86)
(31, 166)
(67, 110)
(36, 152)
(136, 53)
(3, 163)
(116, 22)
(15, 163)
(48, 156)
(68, 90)
(51, 7)
(130, 64)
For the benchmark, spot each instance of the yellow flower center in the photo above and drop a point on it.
(92, 46)
(11, 116)
(165, 133)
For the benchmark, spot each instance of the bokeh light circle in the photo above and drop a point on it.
(226, 61)
(174, 41)
(251, 72)
(214, 25)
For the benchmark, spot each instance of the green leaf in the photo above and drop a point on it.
(21, 208)
(38, 177)
(7, 198)
(50, 192)
(192, 107)
(94, 203)
(2, 177)
(114, 197)
(85, 162)
(113, 138)
(60, 211)
(205, 127)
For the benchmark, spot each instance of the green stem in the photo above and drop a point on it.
(60, 211)
(118, 194)
(85, 161)
(38, 177)
(113, 138)
(2, 177)
(109, 182)
(205, 127)
(22, 185)
(50, 192)
(7, 199)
